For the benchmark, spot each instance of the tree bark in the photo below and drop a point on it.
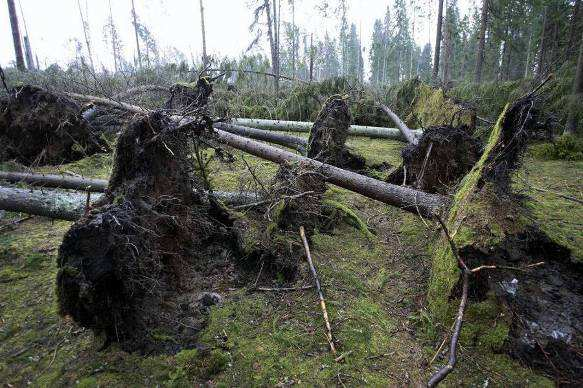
(540, 70)
(414, 201)
(60, 181)
(289, 141)
(408, 134)
(272, 35)
(305, 126)
(135, 17)
(481, 43)
(575, 22)
(435, 74)
(448, 46)
(204, 57)
(52, 204)
(86, 35)
(311, 57)
(16, 36)
(577, 96)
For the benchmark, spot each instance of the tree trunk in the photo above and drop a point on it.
(204, 57)
(435, 74)
(16, 36)
(293, 5)
(409, 135)
(305, 126)
(86, 35)
(60, 181)
(135, 17)
(527, 65)
(577, 96)
(575, 22)
(448, 49)
(481, 43)
(28, 50)
(59, 205)
(540, 70)
(271, 34)
(418, 202)
(311, 57)
(293, 142)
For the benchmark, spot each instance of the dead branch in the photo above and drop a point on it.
(282, 289)
(289, 141)
(319, 289)
(50, 180)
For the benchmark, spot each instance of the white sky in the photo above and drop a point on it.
(52, 24)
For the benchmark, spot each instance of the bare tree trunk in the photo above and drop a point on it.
(135, 17)
(59, 205)
(204, 57)
(414, 201)
(528, 50)
(575, 22)
(409, 135)
(481, 43)
(16, 36)
(86, 34)
(577, 96)
(311, 57)
(293, 5)
(540, 70)
(113, 42)
(289, 141)
(60, 181)
(271, 34)
(448, 46)
(435, 75)
(27, 49)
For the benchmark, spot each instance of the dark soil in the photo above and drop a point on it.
(186, 98)
(327, 141)
(132, 267)
(38, 127)
(442, 157)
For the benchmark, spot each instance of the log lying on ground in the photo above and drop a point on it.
(306, 126)
(289, 141)
(59, 181)
(405, 198)
(45, 203)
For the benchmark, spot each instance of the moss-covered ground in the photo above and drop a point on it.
(375, 289)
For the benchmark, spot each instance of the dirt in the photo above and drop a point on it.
(133, 266)
(443, 156)
(38, 127)
(327, 141)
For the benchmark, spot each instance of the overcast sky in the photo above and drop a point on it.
(53, 24)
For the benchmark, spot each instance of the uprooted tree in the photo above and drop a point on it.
(38, 127)
(533, 310)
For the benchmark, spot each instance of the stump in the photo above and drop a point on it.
(38, 127)
(131, 267)
(188, 97)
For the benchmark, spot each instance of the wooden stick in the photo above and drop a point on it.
(445, 370)
(282, 289)
(319, 289)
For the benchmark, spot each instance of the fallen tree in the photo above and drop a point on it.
(412, 137)
(289, 141)
(306, 126)
(408, 199)
(51, 180)
(45, 203)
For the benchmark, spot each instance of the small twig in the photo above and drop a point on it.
(15, 222)
(259, 274)
(424, 165)
(319, 289)
(343, 356)
(445, 370)
(477, 269)
(88, 202)
(441, 346)
(282, 289)
(461, 263)
(570, 198)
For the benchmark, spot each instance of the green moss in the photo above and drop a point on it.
(349, 216)
(565, 147)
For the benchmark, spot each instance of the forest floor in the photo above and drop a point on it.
(375, 292)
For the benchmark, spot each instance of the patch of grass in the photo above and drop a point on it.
(565, 147)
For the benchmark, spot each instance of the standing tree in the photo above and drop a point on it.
(577, 96)
(575, 24)
(264, 7)
(86, 34)
(111, 37)
(481, 42)
(447, 46)
(204, 56)
(16, 36)
(135, 23)
(435, 74)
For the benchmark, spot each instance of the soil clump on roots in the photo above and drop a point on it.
(133, 267)
(38, 127)
(442, 157)
(327, 141)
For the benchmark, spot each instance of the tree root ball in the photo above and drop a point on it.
(441, 158)
(38, 127)
(132, 267)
